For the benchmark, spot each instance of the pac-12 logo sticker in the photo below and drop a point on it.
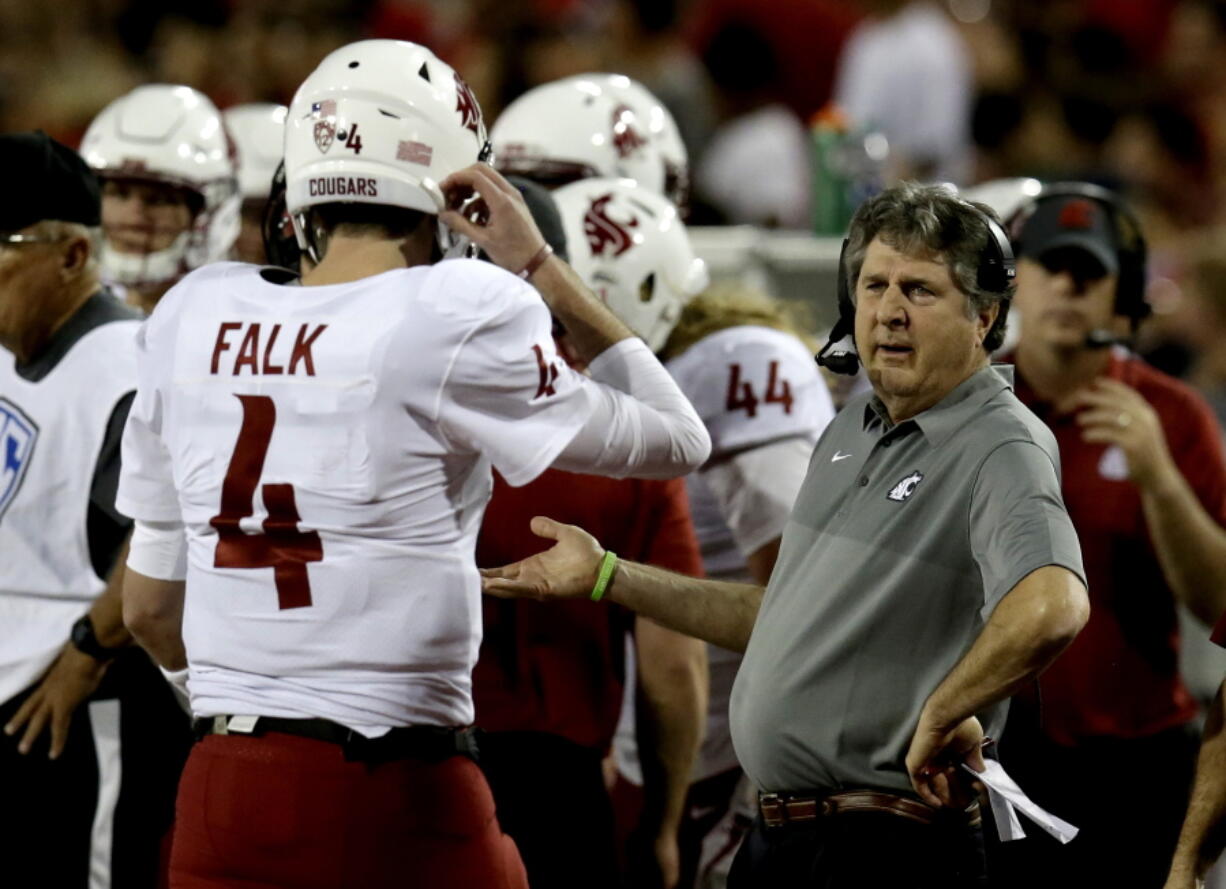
(18, 435)
(325, 134)
(604, 233)
(906, 487)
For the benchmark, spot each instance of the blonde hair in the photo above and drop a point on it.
(733, 304)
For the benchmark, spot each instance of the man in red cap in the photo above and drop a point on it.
(1111, 748)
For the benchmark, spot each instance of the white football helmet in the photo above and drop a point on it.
(1004, 196)
(575, 129)
(629, 245)
(172, 135)
(258, 129)
(662, 130)
(380, 122)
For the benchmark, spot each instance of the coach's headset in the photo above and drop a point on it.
(996, 269)
(1131, 250)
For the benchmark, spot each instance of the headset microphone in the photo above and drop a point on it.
(847, 363)
(844, 361)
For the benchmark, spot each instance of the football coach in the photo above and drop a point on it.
(928, 571)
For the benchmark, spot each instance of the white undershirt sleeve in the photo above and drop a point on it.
(641, 424)
(159, 550)
(177, 679)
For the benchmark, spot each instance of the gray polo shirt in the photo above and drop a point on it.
(902, 541)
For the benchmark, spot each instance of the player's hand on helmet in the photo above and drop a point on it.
(491, 212)
(71, 680)
(935, 760)
(567, 570)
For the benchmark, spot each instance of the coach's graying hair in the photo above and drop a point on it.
(917, 219)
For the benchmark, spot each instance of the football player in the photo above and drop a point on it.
(308, 465)
(739, 359)
(170, 199)
(549, 682)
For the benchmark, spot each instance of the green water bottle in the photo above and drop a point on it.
(830, 205)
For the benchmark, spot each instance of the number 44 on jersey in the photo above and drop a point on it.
(741, 395)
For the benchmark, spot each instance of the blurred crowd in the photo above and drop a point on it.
(792, 112)
(1129, 95)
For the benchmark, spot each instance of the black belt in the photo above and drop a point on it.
(432, 743)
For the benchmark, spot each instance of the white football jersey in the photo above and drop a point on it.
(753, 387)
(328, 450)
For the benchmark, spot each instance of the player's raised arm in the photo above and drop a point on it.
(653, 433)
(503, 227)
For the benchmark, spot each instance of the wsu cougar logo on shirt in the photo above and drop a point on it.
(605, 233)
(906, 487)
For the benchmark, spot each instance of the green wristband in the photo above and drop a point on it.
(607, 566)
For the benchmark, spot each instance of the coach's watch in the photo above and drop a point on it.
(87, 643)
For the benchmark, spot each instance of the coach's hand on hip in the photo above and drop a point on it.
(567, 570)
(935, 759)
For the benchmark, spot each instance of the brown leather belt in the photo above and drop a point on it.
(782, 808)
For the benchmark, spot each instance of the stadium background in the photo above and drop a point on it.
(1131, 95)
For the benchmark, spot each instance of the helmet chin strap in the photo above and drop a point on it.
(144, 269)
(452, 244)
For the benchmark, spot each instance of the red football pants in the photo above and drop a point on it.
(283, 812)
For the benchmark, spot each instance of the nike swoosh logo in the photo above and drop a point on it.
(839, 455)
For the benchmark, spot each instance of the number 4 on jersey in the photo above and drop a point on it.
(282, 546)
(741, 395)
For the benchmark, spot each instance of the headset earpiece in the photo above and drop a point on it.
(845, 361)
(997, 266)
